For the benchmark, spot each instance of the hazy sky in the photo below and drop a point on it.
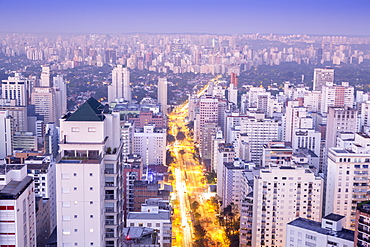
(351, 17)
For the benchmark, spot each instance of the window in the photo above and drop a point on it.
(310, 244)
(75, 129)
(66, 204)
(65, 190)
(310, 237)
(91, 174)
(74, 174)
(76, 230)
(91, 129)
(91, 188)
(66, 231)
(74, 188)
(91, 202)
(332, 243)
(75, 216)
(91, 216)
(66, 217)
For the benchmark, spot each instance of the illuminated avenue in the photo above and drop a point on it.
(189, 187)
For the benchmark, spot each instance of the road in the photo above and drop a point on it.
(189, 186)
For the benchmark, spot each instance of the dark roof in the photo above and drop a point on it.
(334, 217)
(91, 110)
(14, 189)
(316, 227)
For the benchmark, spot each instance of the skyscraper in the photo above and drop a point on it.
(120, 87)
(162, 94)
(45, 77)
(60, 95)
(88, 183)
(347, 178)
(15, 88)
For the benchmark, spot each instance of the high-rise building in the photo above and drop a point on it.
(15, 88)
(154, 216)
(226, 154)
(280, 195)
(45, 76)
(45, 104)
(120, 87)
(327, 233)
(162, 94)
(336, 96)
(60, 95)
(254, 130)
(362, 233)
(17, 207)
(347, 178)
(6, 134)
(18, 113)
(321, 76)
(88, 178)
(150, 144)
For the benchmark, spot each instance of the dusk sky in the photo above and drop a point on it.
(191, 16)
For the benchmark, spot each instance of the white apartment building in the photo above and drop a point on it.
(348, 179)
(340, 119)
(60, 94)
(120, 87)
(307, 138)
(232, 180)
(208, 113)
(226, 154)
(127, 135)
(280, 195)
(327, 233)
(17, 207)
(312, 101)
(162, 94)
(45, 104)
(6, 134)
(336, 96)
(150, 143)
(152, 216)
(256, 131)
(88, 178)
(321, 76)
(18, 113)
(15, 88)
(45, 76)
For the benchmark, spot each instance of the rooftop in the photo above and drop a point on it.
(161, 215)
(5, 168)
(316, 227)
(15, 188)
(333, 217)
(91, 110)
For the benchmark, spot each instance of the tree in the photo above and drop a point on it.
(180, 136)
(170, 138)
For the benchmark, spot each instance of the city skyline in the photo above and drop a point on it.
(163, 16)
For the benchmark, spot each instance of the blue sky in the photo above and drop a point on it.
(332, 17)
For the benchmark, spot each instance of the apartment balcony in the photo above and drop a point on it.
(109, 197)
(110, 184)
(110, 210)
(79, 159)
(109, 235)
(110, 223)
